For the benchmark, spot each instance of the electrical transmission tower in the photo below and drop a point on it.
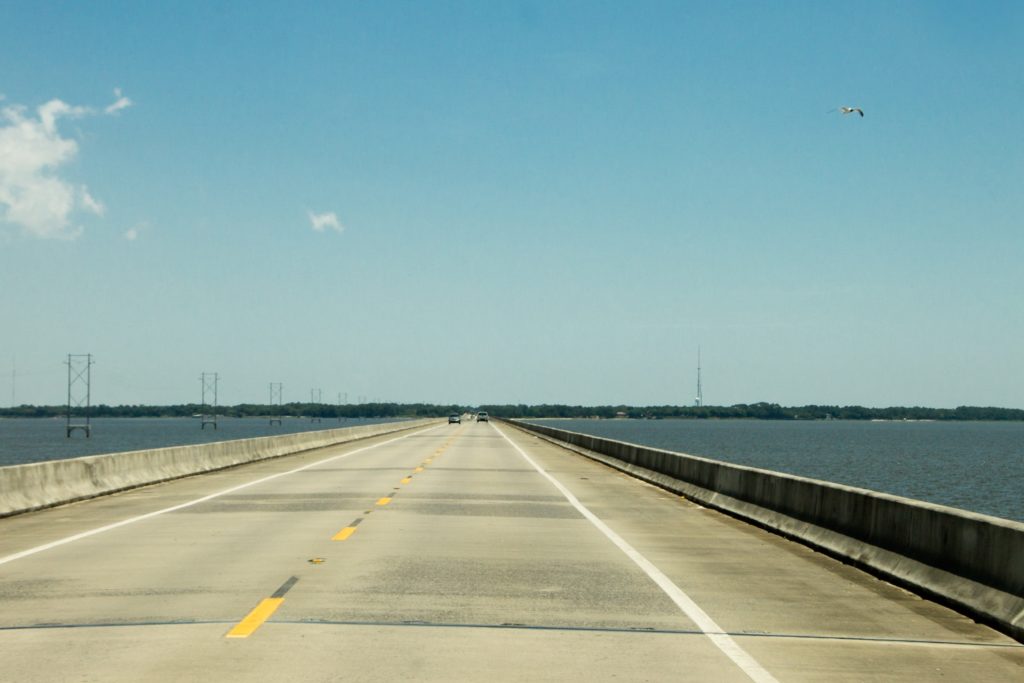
(208, 413)
(276, 405)
(316, 398)
(79, 393)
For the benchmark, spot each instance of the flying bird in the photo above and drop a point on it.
(850, 110)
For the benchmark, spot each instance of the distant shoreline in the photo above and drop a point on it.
(755, 411)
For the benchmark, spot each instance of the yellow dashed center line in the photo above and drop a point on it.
(342, 535)
(255, 618)
(266, 608)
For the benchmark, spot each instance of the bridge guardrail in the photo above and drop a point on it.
(34, 486)
(971, 561)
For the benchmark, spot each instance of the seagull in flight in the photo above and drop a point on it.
(850, 110)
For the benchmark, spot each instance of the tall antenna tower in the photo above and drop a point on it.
(276, 404)
(208, 413)
(79, 392)
(316, 398)
(700, 390)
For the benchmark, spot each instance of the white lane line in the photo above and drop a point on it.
(132, 520)
(705, 623)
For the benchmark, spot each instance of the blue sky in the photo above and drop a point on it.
(514, 202)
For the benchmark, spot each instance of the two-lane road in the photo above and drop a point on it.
(459, 552)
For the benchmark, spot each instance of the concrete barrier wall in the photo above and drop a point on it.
(44, 484)
(972, 561)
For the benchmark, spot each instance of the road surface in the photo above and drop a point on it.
(470, 552)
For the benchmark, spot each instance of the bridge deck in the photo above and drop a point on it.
(447, 555)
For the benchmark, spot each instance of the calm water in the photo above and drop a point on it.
(25, 440)
(976, 466)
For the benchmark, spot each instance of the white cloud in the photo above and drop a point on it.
(133, 233)
(33, 196)
(322, 221)
(122, 102)
(54, 109)
(89, 203)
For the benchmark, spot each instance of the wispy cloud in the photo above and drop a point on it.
(33, 195)
(91, 204)
(122, 102)
(133, 233)
(323, 221)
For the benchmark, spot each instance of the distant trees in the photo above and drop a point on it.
(754, 411)
(322, 410)
(757, 411)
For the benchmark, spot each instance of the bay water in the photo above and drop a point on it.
(976, 466)
(25, 440)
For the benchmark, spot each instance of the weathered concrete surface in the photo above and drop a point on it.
(973, 561)
(476, 569)
(45, 484)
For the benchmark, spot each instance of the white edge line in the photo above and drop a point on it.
(705, 623)
(132, 520)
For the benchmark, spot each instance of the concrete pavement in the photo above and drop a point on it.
(445, 555)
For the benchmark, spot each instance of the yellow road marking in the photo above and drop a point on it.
(418, 469)
(383, 501)
(344, 533)
(407, 480)
(255, 618)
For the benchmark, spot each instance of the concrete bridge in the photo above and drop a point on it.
(467, 552)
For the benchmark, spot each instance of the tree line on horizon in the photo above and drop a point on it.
(756, 411)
